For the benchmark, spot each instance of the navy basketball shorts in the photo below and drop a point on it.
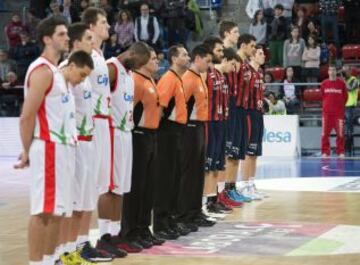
(255, 131)
(238, 148)
(216, 144)
(230, 126)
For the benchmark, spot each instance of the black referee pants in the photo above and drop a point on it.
(138, 203)
(168, 179)
(192, 181)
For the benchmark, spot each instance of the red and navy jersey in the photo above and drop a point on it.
(232, 80)
(218, 95)
(250, 89)
(240, 93)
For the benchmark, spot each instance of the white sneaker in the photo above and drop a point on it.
(250, 192)
(262, 193)
(341, 155)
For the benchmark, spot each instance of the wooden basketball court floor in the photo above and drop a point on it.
(312, 217)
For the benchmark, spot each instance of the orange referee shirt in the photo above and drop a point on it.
(146, 94)
(172, 97)
(195, 95)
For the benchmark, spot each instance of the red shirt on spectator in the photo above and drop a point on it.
(13, 30)
(334, 96)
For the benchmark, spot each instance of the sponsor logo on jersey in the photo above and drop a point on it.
(65, 98)
(128, 98)
(87, 94)
(103, 80)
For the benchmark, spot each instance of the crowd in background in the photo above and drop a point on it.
(300, 35)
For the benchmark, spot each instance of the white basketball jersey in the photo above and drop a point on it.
(55, 119)
(99, 79)
(122, 97)
(83, 103)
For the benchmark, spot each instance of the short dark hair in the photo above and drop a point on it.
(47, 27)
(211, 42)
(279, 6)
(76, 31)
(142, 52)
(90, 15)
(199, 50)
(81, 59)
(230, 54)
(174, 52)
(226, 26)
(245, 38)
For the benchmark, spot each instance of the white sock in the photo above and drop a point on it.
(204, 200)
(58, 252)
(221, 186)
(35, 263)
(48, 260)
(115, 228)
(81, 240)
(104, 226)
(251, 181)
(72, 246)
(66, 248)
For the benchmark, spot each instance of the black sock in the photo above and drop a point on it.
(227, 186)
(232, 185)
(212, 199)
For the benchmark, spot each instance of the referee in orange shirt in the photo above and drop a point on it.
(171, 148)
(192, 184)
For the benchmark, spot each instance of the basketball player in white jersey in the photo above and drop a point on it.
(95, 18)
(48, 134)
(122, 95)
(74, 231)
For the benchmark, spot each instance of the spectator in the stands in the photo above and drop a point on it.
(352, 17)
(11, 81)
(293, 50)
(147, 27)
(277, 37)
(266, 5)
(164, 65)
(333, 96)
(31, 24)
(268, 79)
(352, 85)
(124, 29)
(24, 53)
(276, 106)
(309, 5)
(111, 47)
(192, 6)
(55, 9)
(258, 27)
(77, 8)
(132, 6)
(329, 10)
(311, 29)
(301, 21)
(174, 14)
(290, 93)
(13, 29)
(6, 64)
(66, 10)
(288, 10)
(110, 12)
(311, 60)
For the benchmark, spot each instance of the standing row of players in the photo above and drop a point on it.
(103, 133)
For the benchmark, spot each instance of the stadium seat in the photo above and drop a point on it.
(311, 98)
(351, 52)
(277, 72)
